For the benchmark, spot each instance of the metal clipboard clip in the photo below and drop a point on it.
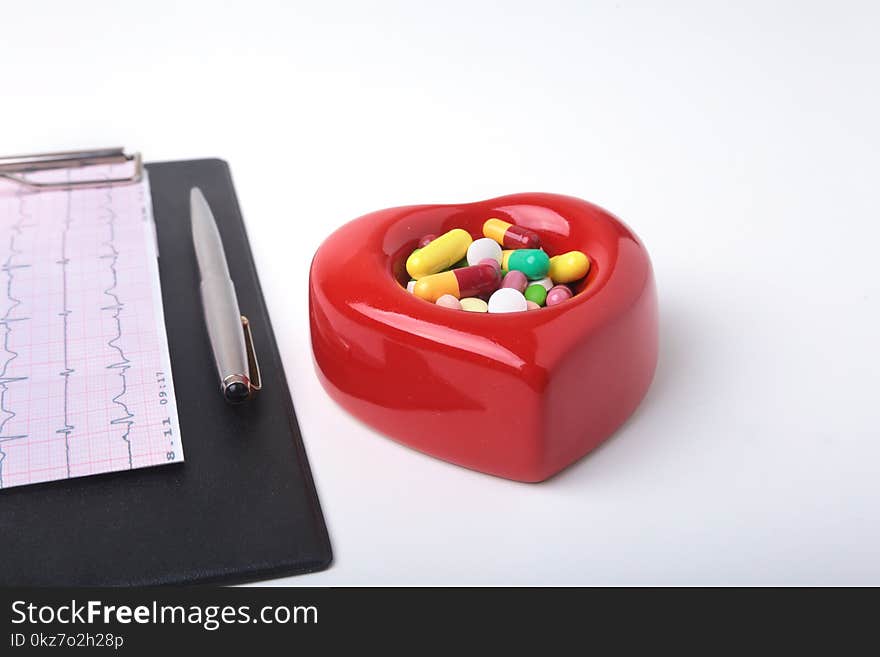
(16, 167)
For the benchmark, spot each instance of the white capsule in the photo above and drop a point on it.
(507, 300)
(547, 282)
(410, 286)
(483, 248)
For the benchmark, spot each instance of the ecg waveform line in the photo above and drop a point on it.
(86, 385)
(66, 371)
(123, 364)
(7, 322)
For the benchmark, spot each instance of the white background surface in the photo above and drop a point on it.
(740, 142)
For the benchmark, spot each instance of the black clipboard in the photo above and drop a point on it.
(242, 506)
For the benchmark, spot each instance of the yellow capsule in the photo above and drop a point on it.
(569, 267)
(439, 254)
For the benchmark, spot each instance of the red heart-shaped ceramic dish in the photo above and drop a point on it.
(518, 395)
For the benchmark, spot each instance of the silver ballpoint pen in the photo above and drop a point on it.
(228, 329)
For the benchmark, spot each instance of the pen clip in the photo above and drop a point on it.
(255, 381)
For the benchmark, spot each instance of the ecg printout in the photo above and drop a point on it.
(85, 376)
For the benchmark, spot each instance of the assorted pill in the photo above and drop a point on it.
(505, 271)
(534, 263)
(474, 305)
(507, 300)
(558, 294)
(491, 261)
(546, 282)
(569, 267)
(439, 254)
(536, 293)
(449, 301)
(515, 279)
(483, 249)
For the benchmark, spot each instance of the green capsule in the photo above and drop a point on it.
(536, 293)
(534, 263)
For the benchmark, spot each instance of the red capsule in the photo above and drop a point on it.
(465, 282)
(478, 279)
(510, 236)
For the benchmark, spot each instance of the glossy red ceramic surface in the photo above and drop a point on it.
(518, 395)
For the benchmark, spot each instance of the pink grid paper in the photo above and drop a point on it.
(85, 377)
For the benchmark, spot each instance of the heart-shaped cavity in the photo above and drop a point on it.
(518, 395)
